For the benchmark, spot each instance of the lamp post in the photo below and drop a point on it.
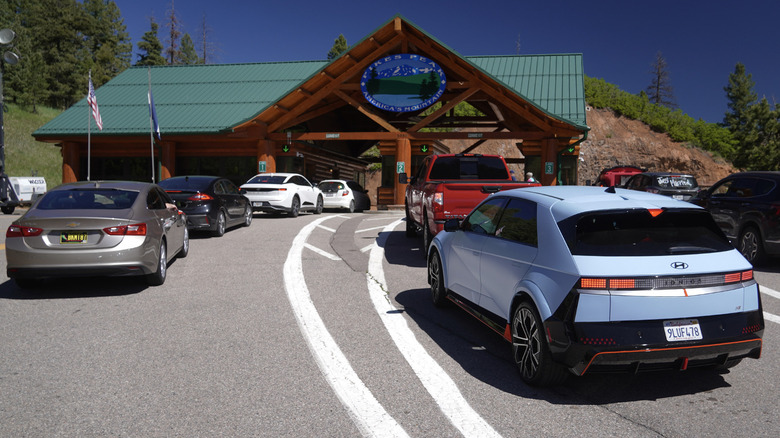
(8, 198)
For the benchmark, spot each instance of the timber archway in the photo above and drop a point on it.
(316, 118)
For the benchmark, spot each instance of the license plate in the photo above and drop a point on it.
(682, 330)
(330, 195)
(73, 237)
(680, 197)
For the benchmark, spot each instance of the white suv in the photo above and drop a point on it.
(282, 192)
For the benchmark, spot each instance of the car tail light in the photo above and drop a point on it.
(19, 231)
(346, 193)
(126, 230)
(438, 202)
(670, 282)
(200, 197)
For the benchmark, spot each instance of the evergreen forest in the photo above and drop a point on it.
(62, 42)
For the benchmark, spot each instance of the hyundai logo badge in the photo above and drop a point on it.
(680, 265)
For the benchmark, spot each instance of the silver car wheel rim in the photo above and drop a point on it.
(749, 245)
(526, 342)
(163, 260)
(434, 270)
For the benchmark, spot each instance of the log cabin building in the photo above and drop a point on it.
(397, 89)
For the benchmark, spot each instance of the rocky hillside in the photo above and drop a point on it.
(619, 141)
(615, 141)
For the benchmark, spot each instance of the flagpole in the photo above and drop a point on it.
(151, 122)
(89, 129)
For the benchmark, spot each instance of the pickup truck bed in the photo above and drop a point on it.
(450, 186)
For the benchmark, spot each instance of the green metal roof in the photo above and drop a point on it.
(209, 99)
(554, 83)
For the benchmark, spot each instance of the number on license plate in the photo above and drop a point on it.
(682, 330)
(71, 237)
(330, 195)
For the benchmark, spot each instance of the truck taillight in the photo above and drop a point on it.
(438, 202)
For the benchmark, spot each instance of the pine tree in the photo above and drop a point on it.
(207, 47)
(151, 47)
(339, 46)
(660, 90)
(187, 54)
(108, 41)
(741, 97)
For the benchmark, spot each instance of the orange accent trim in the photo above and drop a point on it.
(686, 292)
(508, 333)
(649, 350)
(654, 211)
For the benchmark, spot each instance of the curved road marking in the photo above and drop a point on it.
(369, 416)
(438, 383)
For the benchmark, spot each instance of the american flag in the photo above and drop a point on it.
(92, 100)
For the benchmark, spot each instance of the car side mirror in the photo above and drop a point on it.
(451, 225)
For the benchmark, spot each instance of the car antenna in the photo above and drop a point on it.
(610, 189)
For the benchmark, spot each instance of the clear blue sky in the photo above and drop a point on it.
(701, 41)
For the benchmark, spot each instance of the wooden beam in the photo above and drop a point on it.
(444, 108)
(320, 94)
(489, 89)
(375, 117)
(422, 136)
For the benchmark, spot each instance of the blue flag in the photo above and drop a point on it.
(153, 115)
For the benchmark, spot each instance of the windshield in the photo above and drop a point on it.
(267, 179)
(98, 199)
(468, 167)
(643, 232)
(185, 184)
(676, 182)
(331, 186)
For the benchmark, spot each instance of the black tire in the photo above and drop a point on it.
(318, 208)
(295, 207)
(219, 230)
(751, 246)
(7, 210)
(27, 283)
(157, 278)
(530, 351)
(185, 246)
(731, 363)
(352, 206)
(411, 228)
(248, 216)
(427, 236)
(436, 278)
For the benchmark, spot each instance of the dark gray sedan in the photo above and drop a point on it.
(97, 228)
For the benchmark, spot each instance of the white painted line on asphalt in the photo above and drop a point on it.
(327, 229)
(771, 317)
(367, 248)
(369, 416)
(770, 292)
(321, 252)
(369, 229)
(441, 387)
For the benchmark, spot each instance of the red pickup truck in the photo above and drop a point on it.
(450, 186)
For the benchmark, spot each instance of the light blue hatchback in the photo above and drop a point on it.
(587, 279)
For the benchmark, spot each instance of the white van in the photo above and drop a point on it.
(28, 188)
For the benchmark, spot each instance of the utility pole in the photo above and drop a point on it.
(8, 198)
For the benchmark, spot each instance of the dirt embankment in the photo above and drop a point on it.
(614, 141)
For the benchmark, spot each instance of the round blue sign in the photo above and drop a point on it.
(403, 83)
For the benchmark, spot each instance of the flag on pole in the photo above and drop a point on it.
(92, 101)
(153, 114)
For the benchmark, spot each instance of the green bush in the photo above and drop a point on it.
(679, 126)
